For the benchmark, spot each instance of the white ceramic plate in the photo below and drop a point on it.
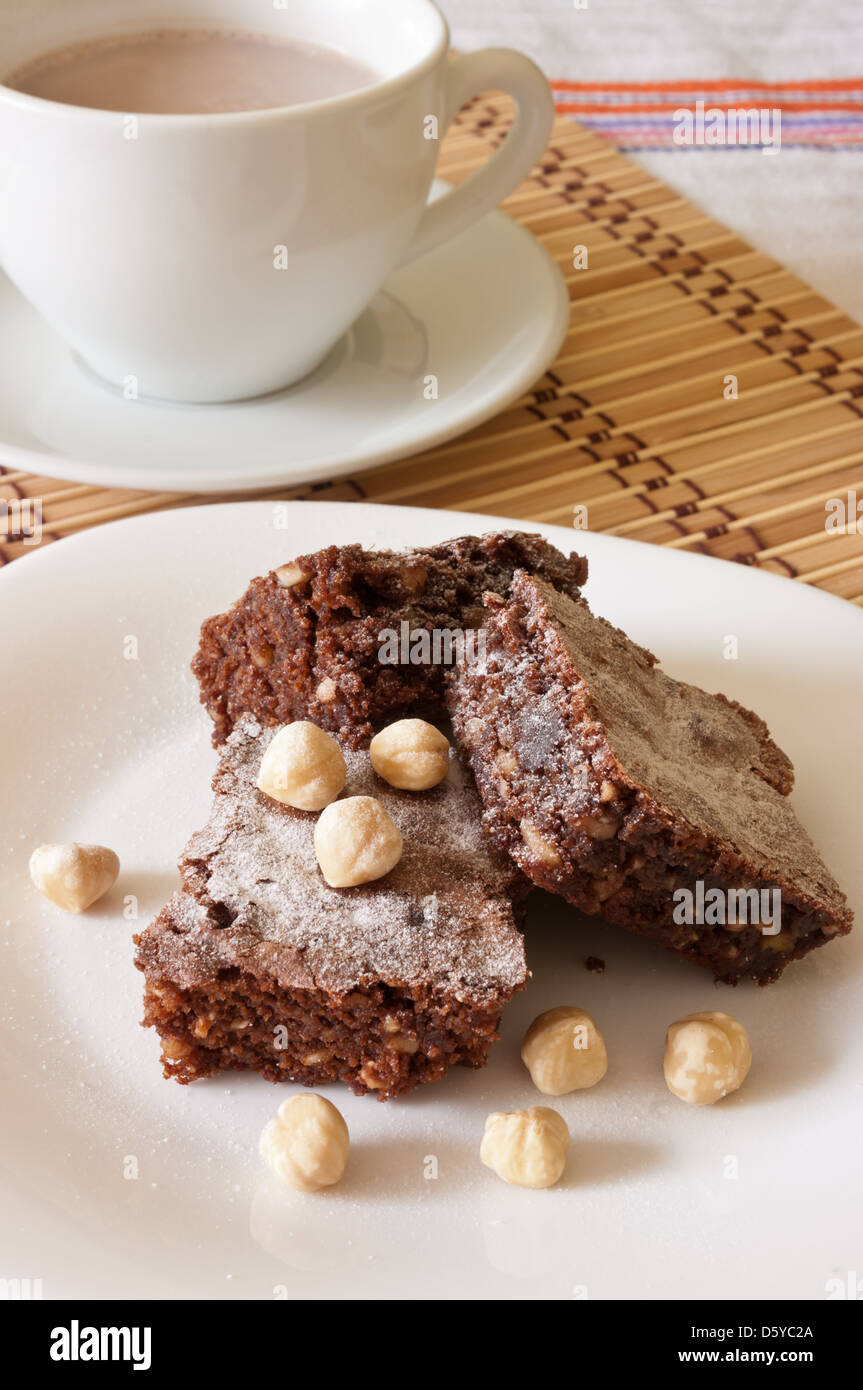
(484, 314)
(759, 1196)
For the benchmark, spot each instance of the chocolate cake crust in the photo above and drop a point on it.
(616, 786)
(304, 641)
(259, 964)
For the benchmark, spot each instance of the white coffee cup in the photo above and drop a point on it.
(214, 257)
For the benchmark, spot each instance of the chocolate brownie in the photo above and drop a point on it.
(258, 964)
(306, 641)
(624, 790)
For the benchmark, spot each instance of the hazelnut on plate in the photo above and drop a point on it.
(74, 876)
(707, 1056)
(526, 1148)
(306, 1145)
(564, 1051)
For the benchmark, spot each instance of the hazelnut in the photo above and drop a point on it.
(605, 887)
(73, 876)
(289, 575)
(414, 577)
(356, 842)
(370, 1078)
(596, 827)
(326, 690)
(564, 1051)
(783, 941)
(506, 762)
(306, 1145)
(302, 767)
(539, 847)
(262, 656)
(410, 754)
(473, 731)
(525, 1147)
(706, 1057)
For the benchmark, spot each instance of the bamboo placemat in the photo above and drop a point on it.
(704, 397)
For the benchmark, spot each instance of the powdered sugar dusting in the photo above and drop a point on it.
(442, 917)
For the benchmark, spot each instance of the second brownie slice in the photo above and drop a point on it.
(637, 796)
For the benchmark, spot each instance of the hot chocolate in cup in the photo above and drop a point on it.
(215, 240)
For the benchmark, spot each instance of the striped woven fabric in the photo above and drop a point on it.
(646, 115)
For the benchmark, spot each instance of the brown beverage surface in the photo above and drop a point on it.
(190, 71)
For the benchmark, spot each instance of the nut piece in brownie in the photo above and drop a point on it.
(258, 964)
(617, 787)
(304, 642)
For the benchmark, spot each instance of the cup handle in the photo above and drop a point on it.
(491, 69)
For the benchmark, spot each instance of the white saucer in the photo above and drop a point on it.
(484, 315)
(117, 1183)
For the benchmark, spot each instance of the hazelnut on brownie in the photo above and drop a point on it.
(625, 791)
(305, 641)
(257, 963)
